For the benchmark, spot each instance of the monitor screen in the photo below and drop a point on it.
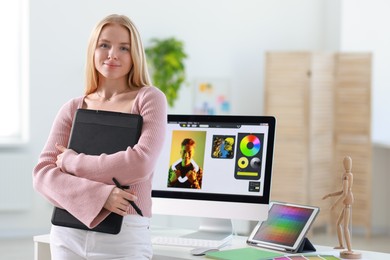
(215, 167)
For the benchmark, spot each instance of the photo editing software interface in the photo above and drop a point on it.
(219, 158)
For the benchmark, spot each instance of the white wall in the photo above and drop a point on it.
(365, 27)
(224, 39)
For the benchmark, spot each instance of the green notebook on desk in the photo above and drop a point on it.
(247, 253)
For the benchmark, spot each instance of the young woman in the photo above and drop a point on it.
(116, 80)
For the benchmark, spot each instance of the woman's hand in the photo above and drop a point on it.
(62, 149)
(118, 201)
(60, 156)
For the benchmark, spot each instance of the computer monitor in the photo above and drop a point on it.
(228, 175)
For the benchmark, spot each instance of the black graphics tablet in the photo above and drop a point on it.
(95, 132)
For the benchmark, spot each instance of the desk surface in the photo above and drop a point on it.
(175, 253)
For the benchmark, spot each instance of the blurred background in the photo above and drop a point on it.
(226, 42)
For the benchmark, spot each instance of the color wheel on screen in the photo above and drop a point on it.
(249, 156)
(250, 145)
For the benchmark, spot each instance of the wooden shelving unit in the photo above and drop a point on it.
(305, 91)
(352, 129)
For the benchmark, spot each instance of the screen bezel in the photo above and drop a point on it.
(271, 121)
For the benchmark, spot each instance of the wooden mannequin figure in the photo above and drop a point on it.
(346, 196)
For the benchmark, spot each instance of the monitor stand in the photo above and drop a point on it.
(213, 229)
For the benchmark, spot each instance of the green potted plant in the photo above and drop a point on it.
(166, 61)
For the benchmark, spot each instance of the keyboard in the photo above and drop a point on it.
(188, 242)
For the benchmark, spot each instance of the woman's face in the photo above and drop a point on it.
(112, 54)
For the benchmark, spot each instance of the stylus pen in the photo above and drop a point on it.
(138, 210)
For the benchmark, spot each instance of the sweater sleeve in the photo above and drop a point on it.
(135, 165)
(81, 197)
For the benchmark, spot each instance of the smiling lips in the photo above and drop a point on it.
(112, 65)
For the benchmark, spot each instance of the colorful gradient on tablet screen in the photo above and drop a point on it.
(284, 224)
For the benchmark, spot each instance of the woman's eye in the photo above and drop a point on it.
(124, 49)
(103, 45)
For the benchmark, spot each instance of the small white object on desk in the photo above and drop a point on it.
(202, 250)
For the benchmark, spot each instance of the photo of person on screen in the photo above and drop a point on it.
(185, 172)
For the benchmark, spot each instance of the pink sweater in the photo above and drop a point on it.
(87, 181)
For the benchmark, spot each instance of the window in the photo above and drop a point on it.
(13, 71)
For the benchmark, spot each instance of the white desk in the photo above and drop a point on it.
(42, 249)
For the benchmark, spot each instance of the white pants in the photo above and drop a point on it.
(132, 242)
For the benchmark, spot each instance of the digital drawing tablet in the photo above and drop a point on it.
(286, 227)
(95, 132)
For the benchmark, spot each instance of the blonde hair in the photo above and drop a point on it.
(138, 75)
